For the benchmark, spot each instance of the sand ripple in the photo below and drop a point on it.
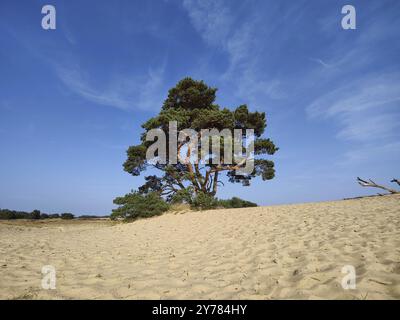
(278, 252)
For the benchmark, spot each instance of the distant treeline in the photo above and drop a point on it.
(92, 217)
(6, 214)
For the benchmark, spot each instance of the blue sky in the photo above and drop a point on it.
(72, 99)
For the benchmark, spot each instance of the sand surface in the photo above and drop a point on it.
(278, 252)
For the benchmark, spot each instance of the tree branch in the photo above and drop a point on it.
(396, 181)
(215, 183)
(371, 183)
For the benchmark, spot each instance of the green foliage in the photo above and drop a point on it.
(89, 216)
(136, 205)
(204, 201)
(6, 214)
(236, 202)
(67, 216)
(189, 95)
(182, 196)
(136, 163)
(192, 104)
(35, 214)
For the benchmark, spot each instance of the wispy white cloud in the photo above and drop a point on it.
(366, 110)
(68, 34)
(369, 126)
(367, 114)
(321, 62)
(123, 92)
(255, 88)
(215, 23)
(238, 37)
(371, 153)
(211, 18)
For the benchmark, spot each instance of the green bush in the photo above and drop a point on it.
(203, 201)
(67, 216)
(236, 202)
(88, 216)
(135, 205)
(7, 214)
(182, 196)
(35, 214)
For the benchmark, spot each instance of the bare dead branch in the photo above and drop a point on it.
(371, 183)
(396, 181)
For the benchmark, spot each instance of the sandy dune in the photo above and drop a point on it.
(278, 252)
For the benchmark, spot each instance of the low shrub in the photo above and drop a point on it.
(236, 202)
(88, 217)
(182, 196)
(7, 214)
(67, 216)
(35, 215)
(135, 205)
(204, 201)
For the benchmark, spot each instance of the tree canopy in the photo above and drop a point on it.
(192, 105)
